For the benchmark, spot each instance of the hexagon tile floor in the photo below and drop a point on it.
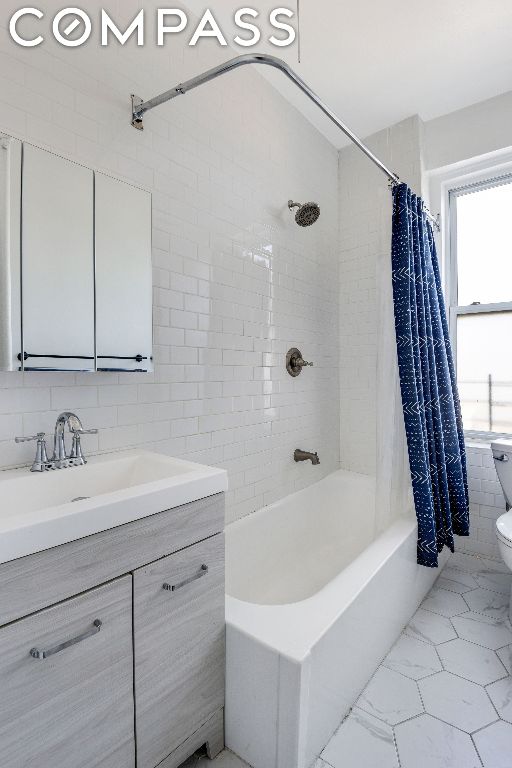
(442, 697)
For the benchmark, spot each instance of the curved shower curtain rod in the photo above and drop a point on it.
(140, 107)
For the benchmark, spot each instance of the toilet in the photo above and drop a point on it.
(502, 455)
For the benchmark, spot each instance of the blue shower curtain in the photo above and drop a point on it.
(430, 400)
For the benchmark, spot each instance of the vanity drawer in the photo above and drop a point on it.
(66, 682)
(179, 639)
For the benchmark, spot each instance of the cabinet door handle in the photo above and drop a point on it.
(37, 654)
(173, 587)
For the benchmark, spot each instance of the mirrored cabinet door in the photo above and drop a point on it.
(57, 262)
(10, 292)
(123, 276)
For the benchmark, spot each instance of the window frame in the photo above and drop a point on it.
(453, 191)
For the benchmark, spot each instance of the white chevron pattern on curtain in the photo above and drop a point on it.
(432, 416)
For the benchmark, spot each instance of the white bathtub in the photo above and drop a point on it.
(314, 602)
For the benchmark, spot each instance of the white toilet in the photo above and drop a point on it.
(502, 454)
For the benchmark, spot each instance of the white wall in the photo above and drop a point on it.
(468, 133)
(236, 282)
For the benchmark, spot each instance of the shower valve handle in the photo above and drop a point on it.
(295, 362)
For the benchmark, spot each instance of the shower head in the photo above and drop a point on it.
(307, 214)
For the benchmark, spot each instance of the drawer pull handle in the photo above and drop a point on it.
(37, 654)
(173, 587)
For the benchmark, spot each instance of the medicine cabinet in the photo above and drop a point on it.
(75, 266)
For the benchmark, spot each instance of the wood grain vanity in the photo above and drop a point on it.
(112, 647)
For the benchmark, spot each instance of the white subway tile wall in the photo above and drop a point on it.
(487, 503)
(236, 281)
(365, 239)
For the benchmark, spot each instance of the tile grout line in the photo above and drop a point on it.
(476, 748)
(483, 727)
(397, 753)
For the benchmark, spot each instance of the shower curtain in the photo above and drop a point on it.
(430, 401)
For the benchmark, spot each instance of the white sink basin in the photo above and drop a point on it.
(41, 510)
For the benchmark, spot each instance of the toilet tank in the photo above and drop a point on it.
(502, 455)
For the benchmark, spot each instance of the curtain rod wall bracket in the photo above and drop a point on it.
(136, 114)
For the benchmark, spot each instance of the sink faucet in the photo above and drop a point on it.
(306, 456)
(60, 458)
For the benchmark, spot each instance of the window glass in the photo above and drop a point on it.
(484, 371)
(484, 245)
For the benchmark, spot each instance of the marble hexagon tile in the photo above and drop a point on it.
(493, 604)
(444, 602)
(362, 741)
(430, 627)
(505, 656)
(456, 580)
(483, 630)
(496, 582)
(501, 696)
(413, 658)
(425, 742)
(472, 662)
(458, 702)
(494, 745)
(390, 697)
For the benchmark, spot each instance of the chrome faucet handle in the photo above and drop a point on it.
(84, 431)
(40, 463)
(39, 436)
(76, 447)
(302, 363)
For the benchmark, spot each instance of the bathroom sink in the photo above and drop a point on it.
(43, 510)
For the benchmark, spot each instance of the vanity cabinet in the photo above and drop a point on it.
(143, 683)
(178, 615)
(70, 706)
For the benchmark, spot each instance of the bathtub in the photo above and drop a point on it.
(314, 602)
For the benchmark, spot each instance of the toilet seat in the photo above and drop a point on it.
(504, 529)
(504, 445)
(503, 540)
(502, 454)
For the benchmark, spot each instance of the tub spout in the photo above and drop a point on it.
(306, 456)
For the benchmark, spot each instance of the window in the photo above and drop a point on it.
(480, 299)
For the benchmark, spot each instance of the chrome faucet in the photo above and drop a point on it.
(306, 456)
(60, 458)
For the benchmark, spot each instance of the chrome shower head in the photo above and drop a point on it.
(307, 214)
